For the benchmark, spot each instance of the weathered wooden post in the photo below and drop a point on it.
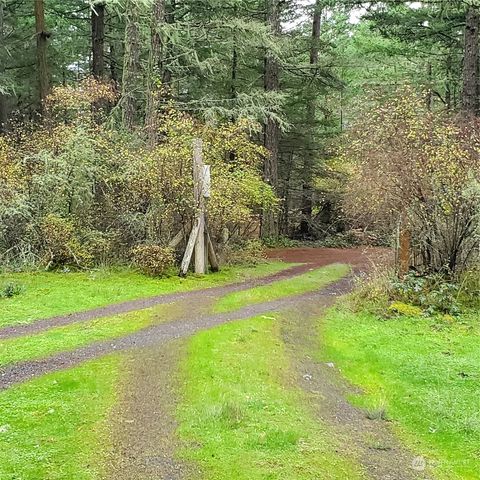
(199, 240)
(199, 194)
(211, 256)
(404, 248)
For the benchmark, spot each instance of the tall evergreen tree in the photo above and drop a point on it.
(271, 134)
(309, 156)
(42, 40)
(131, 66)
(3, 97)
(98, 39)
(154, 73)
(470, 99)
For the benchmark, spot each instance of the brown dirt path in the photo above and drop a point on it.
(189, 324)
(359, 258)
(143, 423)
(143, 303)
(143, 426)
(180, 327)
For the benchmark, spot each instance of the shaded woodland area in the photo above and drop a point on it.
(100, 100)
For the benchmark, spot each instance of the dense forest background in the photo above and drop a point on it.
(100, 100)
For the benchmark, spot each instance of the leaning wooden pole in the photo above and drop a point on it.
(187, 257)
(212, 256)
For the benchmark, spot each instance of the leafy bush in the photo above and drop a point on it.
(341, 240)
(420, 169)
(433, 293)
(279, 242)
(11, 289)
(248, 252)
(153, 260)
(60, 244)
(383, 293)
(102, 246)
(82, 192)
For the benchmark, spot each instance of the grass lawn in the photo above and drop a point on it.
(424, 372)
(77, 335)
(243, 418)
(53, 427)
(306, 282)
(48, 294)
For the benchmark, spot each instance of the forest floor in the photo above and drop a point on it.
(221, 383)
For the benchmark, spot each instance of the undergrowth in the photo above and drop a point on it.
(382, 292)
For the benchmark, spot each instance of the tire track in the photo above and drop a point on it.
(144, 303)
(159, 334)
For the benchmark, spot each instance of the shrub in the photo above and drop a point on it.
(60, 244)
(279, 242)
(80, 191)
(11, 289)
(433, 293)
(153, 260)
(248, 252)
(374, 291)
(419, 168)
(102, 246)
(382, 292)
(345, 240)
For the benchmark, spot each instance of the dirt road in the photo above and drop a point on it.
(143, 423)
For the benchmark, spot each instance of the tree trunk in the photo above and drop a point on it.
(316, 28)
(154, 71)
(98, 40)
(429, 98)
(167, 72)
(233, 91)
(112, 62)
(309, 157)
(405, 252)
(131, 67)
(3, 97)
(284, 224)
(233, 86)
(448, 83)
(269, 227)
(234, 72)
(42, 43)
(471, 65)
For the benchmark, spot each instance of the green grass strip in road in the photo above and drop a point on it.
(77, 335)
(307, 282)
(243, 418)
